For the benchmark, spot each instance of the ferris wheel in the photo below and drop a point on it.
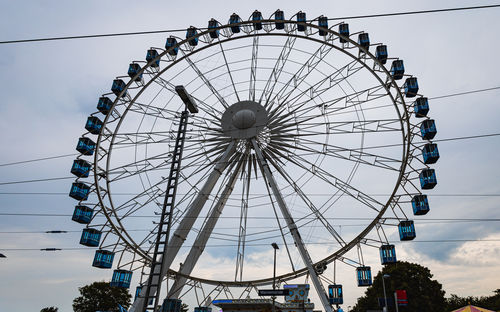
(244, 134)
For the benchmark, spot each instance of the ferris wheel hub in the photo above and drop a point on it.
(244, 120)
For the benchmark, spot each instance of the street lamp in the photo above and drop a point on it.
(275, 247)
(383, 285)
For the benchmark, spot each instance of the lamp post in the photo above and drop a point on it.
(275, 247)
(383, 285)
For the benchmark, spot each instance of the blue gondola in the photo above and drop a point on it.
(138, 290)
(82, 214)
(256, 17)
(406, 230)
(90, 237)
(191, 33)
(118, 86)
(428, 129)
(364, 40)
(133, 70)
(171, 43)
(85, 146)
(171, 305)
(279, 16)
(79, 191)
(427, 179)
(202, 309)
(344, 32)
(387, 254)
(397, 69)
(381, 53)
(411, 87)
(364, 275)
(121, 278)
(93, 125)
(301, 18)
(212, 24)
(430, 153)
(151, 55)
(104, 105)
(323, 23)
(335, 294)
(80, 168)
(103, 259)
(421, 107)
(234, 19)
(420, 205)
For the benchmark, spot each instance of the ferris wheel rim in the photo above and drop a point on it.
(119, 230)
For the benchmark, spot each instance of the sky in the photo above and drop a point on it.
(49, 89)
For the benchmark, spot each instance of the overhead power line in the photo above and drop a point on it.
(150, 32)
(364, 148)
(264, 244)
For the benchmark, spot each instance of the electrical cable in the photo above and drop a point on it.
(262, 244)
(136, 33)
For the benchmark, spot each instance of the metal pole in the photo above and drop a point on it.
(385, 296)
(396, 301)
(275, 247)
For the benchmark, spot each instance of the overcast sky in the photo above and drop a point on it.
(49, 89)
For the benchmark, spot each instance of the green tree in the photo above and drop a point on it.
(50, 309)
(100, 296)
(424, 294)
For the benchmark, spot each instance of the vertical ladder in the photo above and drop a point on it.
(164, 226)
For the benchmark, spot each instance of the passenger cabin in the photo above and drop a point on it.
(381, 53)
(430, 153)
(212, 24)
(301, 18)
(93, 125)
(364, 275)
(79, 191)
(121, 278)
(171, 46)
(421, 107)
(202, 309)
(411, 87)
(82, 214)
(104, 105)
(397, 69)
(138, 290)
(406, 230)
(364, 40)
(151, 55)
(118, 86)
(133, 70)
(103, 259)
(171, 305)
(234, 19)
(344, 32)
(427, 179)
(335, 294)
(191, 33)
(81, 168)
(387, 254)
(420, 205)
(256, 17)
(85, 146)
(279, 16)
(323, 23)
(428, 129)
(90, 237)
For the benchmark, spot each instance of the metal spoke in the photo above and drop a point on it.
(253, 69)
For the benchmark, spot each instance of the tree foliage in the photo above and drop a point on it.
(100, 296)
(50, 309)
(424, 294)
(488, 302)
